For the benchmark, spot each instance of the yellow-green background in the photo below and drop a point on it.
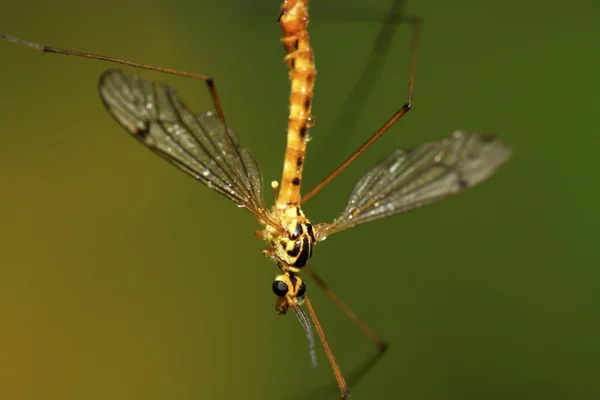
(121, 278)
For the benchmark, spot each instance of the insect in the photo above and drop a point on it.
(206, 148)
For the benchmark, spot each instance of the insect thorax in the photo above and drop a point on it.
(291, 245)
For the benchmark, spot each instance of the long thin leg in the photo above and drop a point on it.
(48, 49)
(381, 345)
(416, 29)
(334, 144)
(339, 377)
(207, 79)
(354, 377)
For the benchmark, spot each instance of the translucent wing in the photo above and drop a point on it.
(420, 176)
(199, 145)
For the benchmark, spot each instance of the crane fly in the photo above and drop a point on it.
(207, 149)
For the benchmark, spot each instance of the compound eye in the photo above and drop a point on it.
(301, 290)
(280, 288)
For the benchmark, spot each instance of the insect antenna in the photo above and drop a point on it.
(339, 377)
(305, 322)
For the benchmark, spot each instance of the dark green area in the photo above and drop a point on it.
(122, 278)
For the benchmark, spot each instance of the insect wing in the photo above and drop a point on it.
(420, 176)
(200, 145)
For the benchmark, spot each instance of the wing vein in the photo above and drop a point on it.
(410, 179)
(200, 145)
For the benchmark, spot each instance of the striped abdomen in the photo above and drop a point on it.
(294, 21)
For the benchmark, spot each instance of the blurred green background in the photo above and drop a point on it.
(121, 278)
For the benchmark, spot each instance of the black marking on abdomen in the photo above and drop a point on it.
(297, 231)
(303, 131)
(296, 250)
(304, 253)
(299, 162)
(296, 181)
(309, 229)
